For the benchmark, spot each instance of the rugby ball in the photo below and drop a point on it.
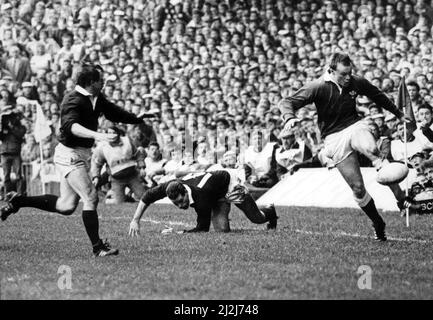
(393, 172)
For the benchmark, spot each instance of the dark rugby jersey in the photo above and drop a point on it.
(336, 111)
(206, 189)
(77, 108)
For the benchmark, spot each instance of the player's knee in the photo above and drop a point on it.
(358, 189)
(66, 208)
(67, 212)
(91, 199)
(372, 150)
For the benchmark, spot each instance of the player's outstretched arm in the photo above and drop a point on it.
(150, 196)
(134, 226)
(379, 98)
(116, 114)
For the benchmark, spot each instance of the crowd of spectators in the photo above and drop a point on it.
(213, 72)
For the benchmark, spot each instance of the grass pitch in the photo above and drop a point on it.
(314, 254)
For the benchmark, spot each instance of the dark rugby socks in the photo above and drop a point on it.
(46, 202)
(371, 211)
(91, 223)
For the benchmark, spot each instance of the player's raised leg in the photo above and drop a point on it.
(364, 142)
(64, 205)
(349, 169)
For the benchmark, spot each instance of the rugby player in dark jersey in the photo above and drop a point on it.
(210, 194)
(342, 129)
(80, 110)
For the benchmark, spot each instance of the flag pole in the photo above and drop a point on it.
(40, 170)
(405, 162)
(403, 79)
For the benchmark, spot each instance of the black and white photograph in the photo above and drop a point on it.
(218, 155)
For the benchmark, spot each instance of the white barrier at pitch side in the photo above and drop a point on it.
(320, 187)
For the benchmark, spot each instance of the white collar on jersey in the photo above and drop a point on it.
(188, 190)
(83, 91)
(329, 78)
(86, 93)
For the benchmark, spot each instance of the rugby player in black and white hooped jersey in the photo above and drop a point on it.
(210, 194)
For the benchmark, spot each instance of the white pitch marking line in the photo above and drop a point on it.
(171, 223)
(179, 223)
(107, 217)
(356, 235)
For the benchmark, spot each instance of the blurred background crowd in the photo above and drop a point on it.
(212, 74)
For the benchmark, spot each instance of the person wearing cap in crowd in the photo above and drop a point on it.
(11, 136)
(125, 164)
(290, 153)
(342, 129)
(29, 91)
(379, 119)
(374, 109)
(416, 160)
(391, 124)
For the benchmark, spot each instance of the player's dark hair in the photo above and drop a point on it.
(174, 189)
(427, 164)
(88, 74)
(341, 58)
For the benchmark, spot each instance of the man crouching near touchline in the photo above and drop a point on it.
(210, 194)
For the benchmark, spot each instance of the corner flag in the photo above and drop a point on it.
(404, 103)
(42, 128)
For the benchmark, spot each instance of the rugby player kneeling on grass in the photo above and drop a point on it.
(210, 194)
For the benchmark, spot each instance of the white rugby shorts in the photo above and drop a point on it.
(68, 159)
(339, 145)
